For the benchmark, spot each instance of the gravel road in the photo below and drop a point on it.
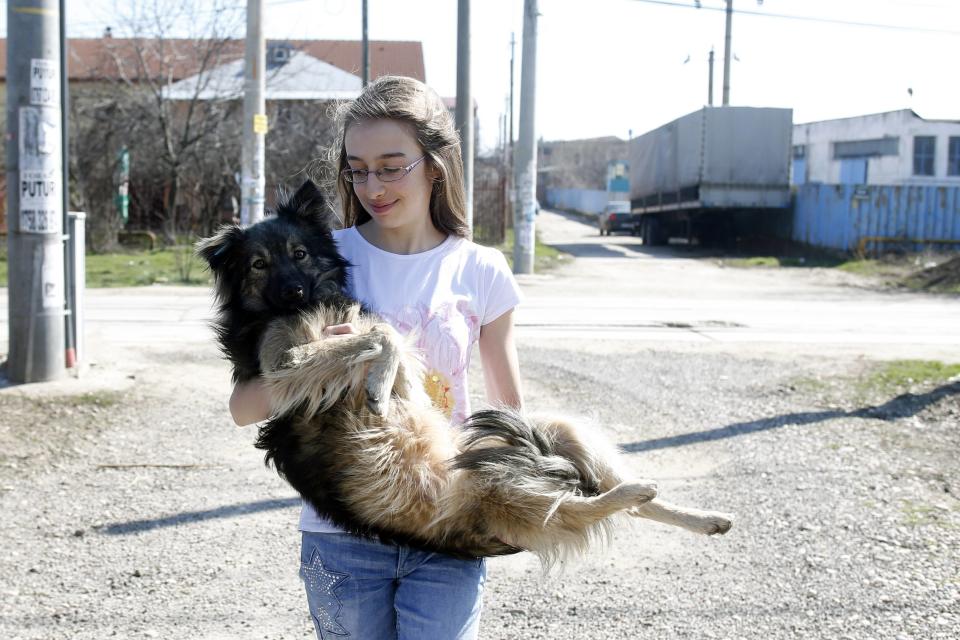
(133, 508)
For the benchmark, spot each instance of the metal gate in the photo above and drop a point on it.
(491, 203)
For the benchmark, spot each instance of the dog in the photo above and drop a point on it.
(354, 432)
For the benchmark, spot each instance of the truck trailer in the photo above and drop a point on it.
(712, 176)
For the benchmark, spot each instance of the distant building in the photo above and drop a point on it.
(893, 148)
(579, 174)
(577, 164)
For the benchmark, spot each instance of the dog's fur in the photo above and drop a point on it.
(354, 432)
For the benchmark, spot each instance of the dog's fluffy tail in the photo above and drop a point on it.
(506, 440)
(525, 469)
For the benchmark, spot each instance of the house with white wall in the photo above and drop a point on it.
(892, 148)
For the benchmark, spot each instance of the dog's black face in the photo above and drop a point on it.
(281, 265)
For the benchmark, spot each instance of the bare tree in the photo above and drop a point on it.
(299, 144)
(173, 132)
(174, 103)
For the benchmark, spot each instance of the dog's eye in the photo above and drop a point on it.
(259, 263)
(299, 254)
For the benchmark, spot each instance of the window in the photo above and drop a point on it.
(799, 151)
(953, 157)
(861, 148)
(924, 148)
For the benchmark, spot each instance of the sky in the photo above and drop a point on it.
(616, 67)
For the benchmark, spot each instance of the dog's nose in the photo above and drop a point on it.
(293, 294)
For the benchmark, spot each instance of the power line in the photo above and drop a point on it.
(767, 14)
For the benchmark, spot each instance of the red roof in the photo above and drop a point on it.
(104, 58)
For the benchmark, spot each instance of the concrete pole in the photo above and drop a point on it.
(34, 192)
(525, 167)
(464, 112)
(512, 83)
(710, 81)
(726, 55)
(366, 48)
(253, 181)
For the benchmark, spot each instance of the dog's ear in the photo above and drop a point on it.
(307, 206)
(219, 248)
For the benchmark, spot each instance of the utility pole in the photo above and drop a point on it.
(34, 192)
(366, 48)
(512, 43)
(253, 181)
(726, 55)
(464, 112)
(710, 81)
(525, 167)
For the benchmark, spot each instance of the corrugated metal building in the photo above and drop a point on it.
(874, 182)
(872, 218)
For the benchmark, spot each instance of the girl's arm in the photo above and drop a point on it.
(249, 402)
(501, 368)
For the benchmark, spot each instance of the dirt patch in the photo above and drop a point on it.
(42, 431)
(942, 277)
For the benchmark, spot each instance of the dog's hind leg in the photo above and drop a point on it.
(581, 512)
(383, 370)
(705, 522)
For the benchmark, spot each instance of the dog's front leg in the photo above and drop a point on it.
(317, 374)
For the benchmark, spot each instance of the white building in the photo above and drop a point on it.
(893, 148)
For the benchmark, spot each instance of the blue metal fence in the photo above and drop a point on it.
(583, 200)
(864, 217)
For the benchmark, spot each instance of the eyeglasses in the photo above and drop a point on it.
(386, 174)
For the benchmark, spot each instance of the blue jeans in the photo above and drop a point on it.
(360, 588)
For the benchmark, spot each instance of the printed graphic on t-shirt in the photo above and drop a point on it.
(445, 335)
(439, 389)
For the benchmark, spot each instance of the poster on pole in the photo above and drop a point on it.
(51, 280)
(41, 198)
(45, 82)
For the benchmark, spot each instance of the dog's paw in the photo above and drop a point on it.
(378, 405)
(716, 524)
(638, 493)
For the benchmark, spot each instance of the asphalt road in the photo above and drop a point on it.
(625, 291)
(618, 290)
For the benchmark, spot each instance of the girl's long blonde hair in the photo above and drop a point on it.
(408, 100)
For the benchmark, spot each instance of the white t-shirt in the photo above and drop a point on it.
(444, 295)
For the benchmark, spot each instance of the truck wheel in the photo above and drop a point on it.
(654, 236)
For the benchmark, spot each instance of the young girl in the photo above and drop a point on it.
(401, 187)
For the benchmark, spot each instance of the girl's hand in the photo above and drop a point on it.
(344, 329)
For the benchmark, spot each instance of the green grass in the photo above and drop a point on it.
(917, 514)
(179, 266)
(137, 268)
(800, 262)
(545, 257)
(94, 398)
(890, 268)
(750, 263)
(900, 375)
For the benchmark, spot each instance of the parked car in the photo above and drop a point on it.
(616, 216)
